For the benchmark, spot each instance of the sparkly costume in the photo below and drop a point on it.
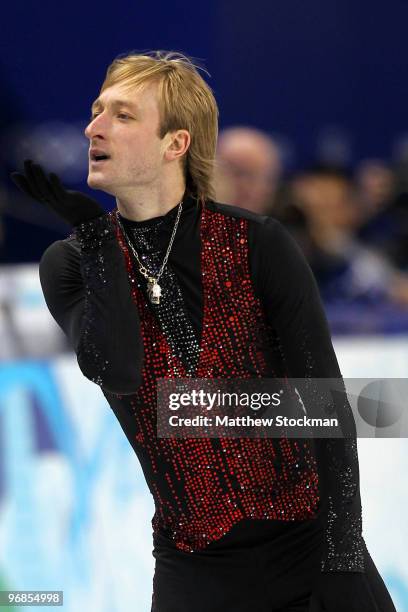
(240, 524)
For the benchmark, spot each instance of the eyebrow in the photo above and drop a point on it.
(115, 104)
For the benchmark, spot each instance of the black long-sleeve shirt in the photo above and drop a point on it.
(88, 290)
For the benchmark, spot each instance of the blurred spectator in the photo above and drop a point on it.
(384, 212)
(376, 186)
(248, 169)
(348, 273)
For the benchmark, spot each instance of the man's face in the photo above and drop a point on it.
(125, 128)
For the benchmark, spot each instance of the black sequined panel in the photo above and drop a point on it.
(171, 311)
(338, 470)
(91, 235)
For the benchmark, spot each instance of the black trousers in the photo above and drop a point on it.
(259, 566)
(378, 589)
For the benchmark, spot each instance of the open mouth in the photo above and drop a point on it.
(98, 157)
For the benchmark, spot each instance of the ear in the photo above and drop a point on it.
(177, 145)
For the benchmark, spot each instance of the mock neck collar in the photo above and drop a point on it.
(190, 203)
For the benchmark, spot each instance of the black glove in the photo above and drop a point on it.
(74, 207)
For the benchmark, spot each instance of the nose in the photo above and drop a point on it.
(95, 128)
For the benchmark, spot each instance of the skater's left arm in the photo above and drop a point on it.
(292, 305)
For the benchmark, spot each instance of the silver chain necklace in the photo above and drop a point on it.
(153, 287)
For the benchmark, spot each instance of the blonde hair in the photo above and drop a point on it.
(185, 102)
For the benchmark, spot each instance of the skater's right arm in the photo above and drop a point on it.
(85, 285)
(86, 288)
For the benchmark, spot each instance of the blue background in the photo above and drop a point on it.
(297, 70)
(287, 66)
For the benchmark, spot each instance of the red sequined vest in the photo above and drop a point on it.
(203, 486)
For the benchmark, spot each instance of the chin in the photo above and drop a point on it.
(98, 182)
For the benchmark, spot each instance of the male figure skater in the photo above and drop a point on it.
(172, 284)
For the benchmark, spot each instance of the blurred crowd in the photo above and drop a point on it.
(352, 225)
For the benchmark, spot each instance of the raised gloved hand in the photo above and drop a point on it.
(342, 592)
(73, 207)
